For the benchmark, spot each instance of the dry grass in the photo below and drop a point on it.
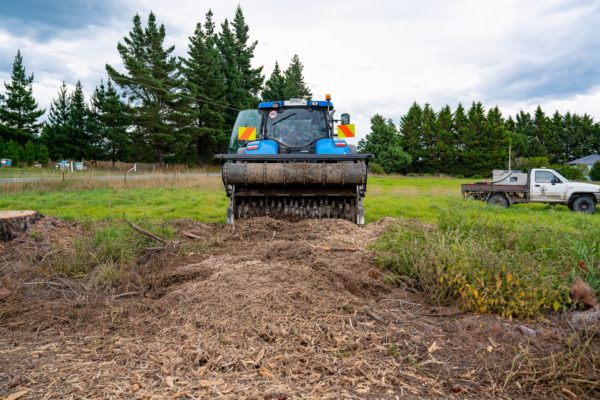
(574, 371)
(178, 180)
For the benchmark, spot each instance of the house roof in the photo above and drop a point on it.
(589, 160)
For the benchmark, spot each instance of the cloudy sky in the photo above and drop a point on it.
(373, 56)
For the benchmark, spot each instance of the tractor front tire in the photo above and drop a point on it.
(585, 204)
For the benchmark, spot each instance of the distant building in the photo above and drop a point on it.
(588, 161)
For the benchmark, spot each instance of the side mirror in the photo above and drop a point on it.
(345, 119)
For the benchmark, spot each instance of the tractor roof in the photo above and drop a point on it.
(295, 103)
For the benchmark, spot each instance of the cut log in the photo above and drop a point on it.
(14, 222)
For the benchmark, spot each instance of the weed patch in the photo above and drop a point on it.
(107, 251)
(488, 263)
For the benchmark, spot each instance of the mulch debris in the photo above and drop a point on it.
(264, 309)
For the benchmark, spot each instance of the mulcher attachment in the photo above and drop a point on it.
(294, 187)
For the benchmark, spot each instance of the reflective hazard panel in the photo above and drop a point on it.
(346, 131)
(246, 133)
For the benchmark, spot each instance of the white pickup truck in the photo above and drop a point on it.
(540, 185)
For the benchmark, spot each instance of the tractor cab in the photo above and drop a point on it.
(290, 126)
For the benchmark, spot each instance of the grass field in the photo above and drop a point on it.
(202, 198)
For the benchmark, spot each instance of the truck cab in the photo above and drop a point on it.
(549, 186)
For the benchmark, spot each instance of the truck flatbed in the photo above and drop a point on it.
(488, 186)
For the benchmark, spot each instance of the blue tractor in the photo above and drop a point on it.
(288, 159)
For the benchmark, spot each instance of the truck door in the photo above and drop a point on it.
(547, 187)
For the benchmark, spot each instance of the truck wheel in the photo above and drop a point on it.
(584, 204)
(498, 200)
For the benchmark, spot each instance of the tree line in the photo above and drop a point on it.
(160, 108)
(475, 141)
(165, 108)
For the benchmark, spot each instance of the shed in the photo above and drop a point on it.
(588, 161)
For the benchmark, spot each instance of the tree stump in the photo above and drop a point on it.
(14, 222)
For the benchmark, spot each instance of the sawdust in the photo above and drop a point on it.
(263, 310)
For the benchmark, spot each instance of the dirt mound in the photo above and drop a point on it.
(264, 309)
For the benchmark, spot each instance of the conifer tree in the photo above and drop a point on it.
(12, 151)
(29, 153)
(41, 154)
(78, 138)
(384, 143)
(153, 84)
(275, 86)
(444, 150)
(427, 156)
(243, 82)
(110, 120)
(251, 78)
(294, 84)
(18, 109)
(411, 131)
(56, 129)
(474, 152)
(460, 128)
(495, 141)
(234, 93)
(205, 84)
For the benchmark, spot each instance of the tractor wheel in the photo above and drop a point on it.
(585, 204)
(498, 200)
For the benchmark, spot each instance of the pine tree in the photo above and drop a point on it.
(251, 78)
(153, 84)
(555, 149)
(41, 154)
(411, 132)
(205, 83)
(427, 157)
(78, 138)
(243, 82)
(495, 141)
(445, 160)
(518, 141)
(275, 86)
(19, 110)
(474, 153)
(12, 151)
(294, 84)
(29, 153)
(235, 95)
(56, 129)
(460, 130)
(384, 143)
(110, 121)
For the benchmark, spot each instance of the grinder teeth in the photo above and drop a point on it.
(296, 208)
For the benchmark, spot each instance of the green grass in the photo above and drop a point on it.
(152, 204)
(421, 198)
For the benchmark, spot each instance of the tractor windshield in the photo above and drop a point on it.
(296, 127)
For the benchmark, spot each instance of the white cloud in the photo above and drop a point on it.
(374, 57)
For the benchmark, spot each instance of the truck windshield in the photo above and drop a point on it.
(296, 127)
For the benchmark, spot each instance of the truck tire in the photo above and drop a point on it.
(585, 204)
(498, 200)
